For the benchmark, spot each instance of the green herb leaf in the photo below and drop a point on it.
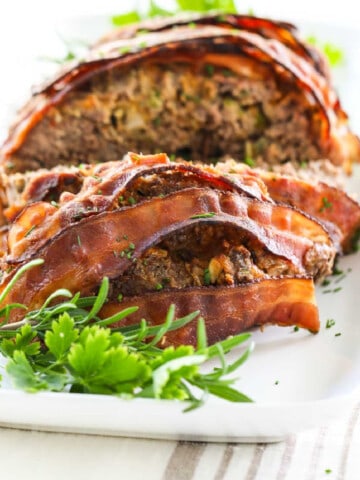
(22, 374)
(185, 367)
(157, 11)
(23, 341)
(333, 53)
(204, 215)
(61, 336)
(101, 367)
(125, 18)
(330, 323)
(325, 205)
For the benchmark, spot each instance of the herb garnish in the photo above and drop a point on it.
(330, 323)
(129, 251)
(249, 162)
(334, 54)
(209, 70)
(325, 204)
(68, 347)
(30, 230)
(154, 10)
(207, 277)
(124, 50)
(203, 215)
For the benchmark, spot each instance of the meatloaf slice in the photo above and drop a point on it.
(198, 91)
(188, 232)
(90, 189)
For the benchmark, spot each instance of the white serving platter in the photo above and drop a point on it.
(298, 380)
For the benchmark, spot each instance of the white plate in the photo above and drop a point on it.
(298, 380)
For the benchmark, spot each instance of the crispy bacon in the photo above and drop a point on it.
(83, 253)
(330, 205)
(286, 33)
(338, 212)
(279, 225)
(102, 188)
(228, 310)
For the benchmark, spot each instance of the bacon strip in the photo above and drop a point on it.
(284, 32)
(101, 191)
(333, 207)
(227, 310)
(330, 205)
(82, 254)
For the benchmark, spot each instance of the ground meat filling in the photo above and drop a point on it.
(196, 111)
(160, 185)
(200, 256)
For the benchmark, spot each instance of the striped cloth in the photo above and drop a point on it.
(330, 452)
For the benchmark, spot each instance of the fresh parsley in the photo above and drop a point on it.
(68, 347)
(333, 53)
(154, 10)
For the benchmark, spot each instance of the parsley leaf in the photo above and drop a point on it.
(61, 336)
(333, 53)
(102, 367)
(67, 347)
(22, 373)
(155, 10)
(23, 342)
(125, 18)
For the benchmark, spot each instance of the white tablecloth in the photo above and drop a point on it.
(331, 451)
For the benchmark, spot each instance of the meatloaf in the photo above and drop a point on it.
(164, 233)
(200, 89)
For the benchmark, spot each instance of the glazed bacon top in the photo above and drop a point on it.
(333, 207)
(286, 33)
(262, 45)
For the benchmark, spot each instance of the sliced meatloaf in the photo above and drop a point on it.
(156, 175)
(166, 233)
(228, 85)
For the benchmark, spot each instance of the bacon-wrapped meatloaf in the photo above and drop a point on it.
(200, 88)
(164, 233)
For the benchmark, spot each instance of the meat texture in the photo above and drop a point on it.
(200, 88)
(164, 233)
